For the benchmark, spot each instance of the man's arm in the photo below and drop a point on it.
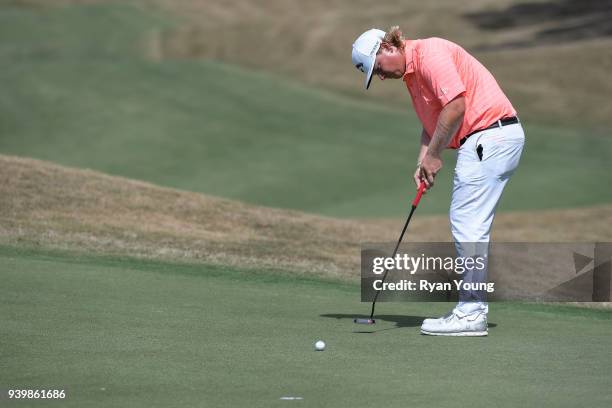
(424, 144)
(449, 121)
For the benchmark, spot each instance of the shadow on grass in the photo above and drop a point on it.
(399, 320)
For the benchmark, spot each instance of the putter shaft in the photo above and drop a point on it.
(415, 204)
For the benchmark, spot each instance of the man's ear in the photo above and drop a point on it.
(385, 46)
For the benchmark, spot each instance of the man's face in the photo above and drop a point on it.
(389, 63)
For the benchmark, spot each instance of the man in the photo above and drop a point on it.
(460, 106)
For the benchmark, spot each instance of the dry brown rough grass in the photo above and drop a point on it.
(565, 82)
(53, 207)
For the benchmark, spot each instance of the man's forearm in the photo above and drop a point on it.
(424, 147)
(449, 121)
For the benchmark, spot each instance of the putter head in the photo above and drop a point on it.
(364, 321)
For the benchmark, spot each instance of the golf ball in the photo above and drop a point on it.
(320, 345)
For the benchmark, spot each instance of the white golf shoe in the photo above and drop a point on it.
(457, 323)
(437, 320)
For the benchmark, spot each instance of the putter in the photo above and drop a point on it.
(415, 204)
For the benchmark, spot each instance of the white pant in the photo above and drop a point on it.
(477, 187)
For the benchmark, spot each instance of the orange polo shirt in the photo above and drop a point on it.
(437, 71)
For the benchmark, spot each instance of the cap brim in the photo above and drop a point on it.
(369, 75)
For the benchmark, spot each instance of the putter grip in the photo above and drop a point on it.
(415, 203)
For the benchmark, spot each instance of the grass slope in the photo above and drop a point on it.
(96, 100)
(47, 206)
(133, 333)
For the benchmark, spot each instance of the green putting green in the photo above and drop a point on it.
(120, 332)
(79, 94)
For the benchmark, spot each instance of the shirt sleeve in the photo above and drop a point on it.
(441, 76)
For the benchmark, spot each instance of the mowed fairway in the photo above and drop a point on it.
(119, 332)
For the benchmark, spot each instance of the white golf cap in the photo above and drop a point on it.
(365, 48)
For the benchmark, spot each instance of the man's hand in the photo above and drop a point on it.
(430, 166)
(417, 176)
